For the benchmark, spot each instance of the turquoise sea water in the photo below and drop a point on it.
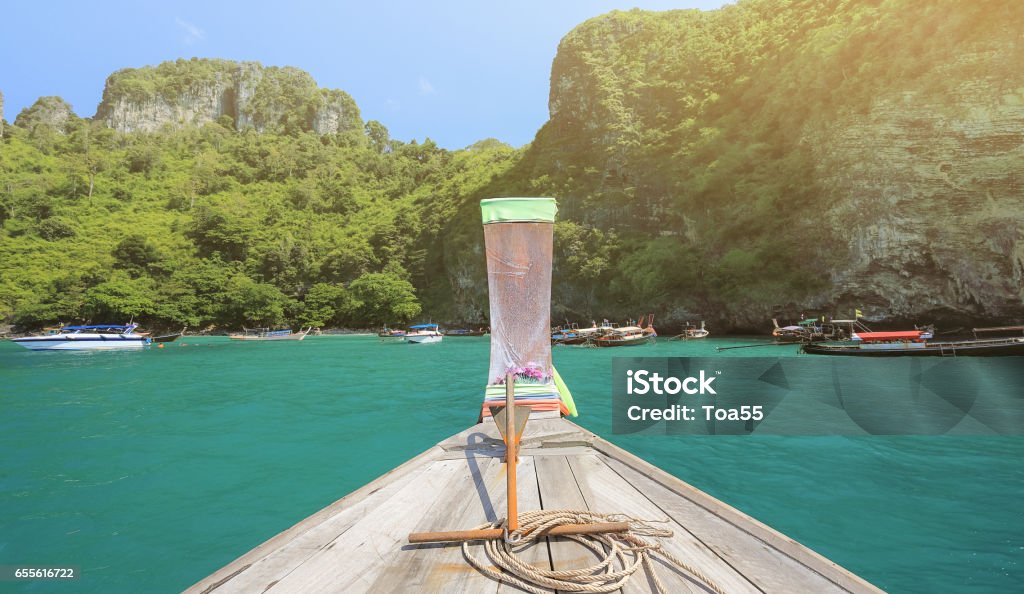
(150, 470)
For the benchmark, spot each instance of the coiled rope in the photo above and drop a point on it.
(620, 554)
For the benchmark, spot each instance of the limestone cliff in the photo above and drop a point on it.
(52, 112)
(194, 92)
(928, 195)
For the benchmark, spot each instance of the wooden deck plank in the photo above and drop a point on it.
(441, 567)
(468, 579)
(558, 490)
(536, 554)
(608, 492)
(640, 582)
(769, 568)
(352, 561)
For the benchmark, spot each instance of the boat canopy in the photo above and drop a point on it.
(809, 322)
(902, 335)
(422, 326)
(100, 327)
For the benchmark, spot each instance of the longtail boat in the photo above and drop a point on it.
(918, 343)
(691, 331)
(170, 337)
(464, 332)
(628, 335)
(268, 334)
(391, 335)
(814, 330)
(572, 334)
(449, 520)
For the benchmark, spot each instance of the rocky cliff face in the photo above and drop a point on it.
(194, 92)
(192, 108)
(928, 194)
(334, 113)
(52, 112)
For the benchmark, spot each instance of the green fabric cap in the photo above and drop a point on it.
(522, 210)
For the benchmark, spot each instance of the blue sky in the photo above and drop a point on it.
(455, 72)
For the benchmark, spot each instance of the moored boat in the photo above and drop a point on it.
(920, 343)
(170, 337)
(910, 343)
(631, 335)
(461, 332)
(268, 334)
(391, 335)
(625, 336)
(792, 333)
(565, 336)
(423, 334)
(691, 331)
(572, 334)
(814, 330)
(88, 337)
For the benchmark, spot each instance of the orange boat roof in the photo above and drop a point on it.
(902, 335)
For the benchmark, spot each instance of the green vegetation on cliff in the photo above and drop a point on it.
(169, 80)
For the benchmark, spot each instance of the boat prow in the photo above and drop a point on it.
(358, 544)
(170, 337)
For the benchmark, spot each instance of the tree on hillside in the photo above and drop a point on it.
(380, 138)
(253, 303)
(119, 299)
(383, 298)
(326, 304)
(135, 254)
(224, 226)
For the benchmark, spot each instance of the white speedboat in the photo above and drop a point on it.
(423, 334)
(92, 337)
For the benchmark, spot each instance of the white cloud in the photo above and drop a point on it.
(425, 87)
(192, 32)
